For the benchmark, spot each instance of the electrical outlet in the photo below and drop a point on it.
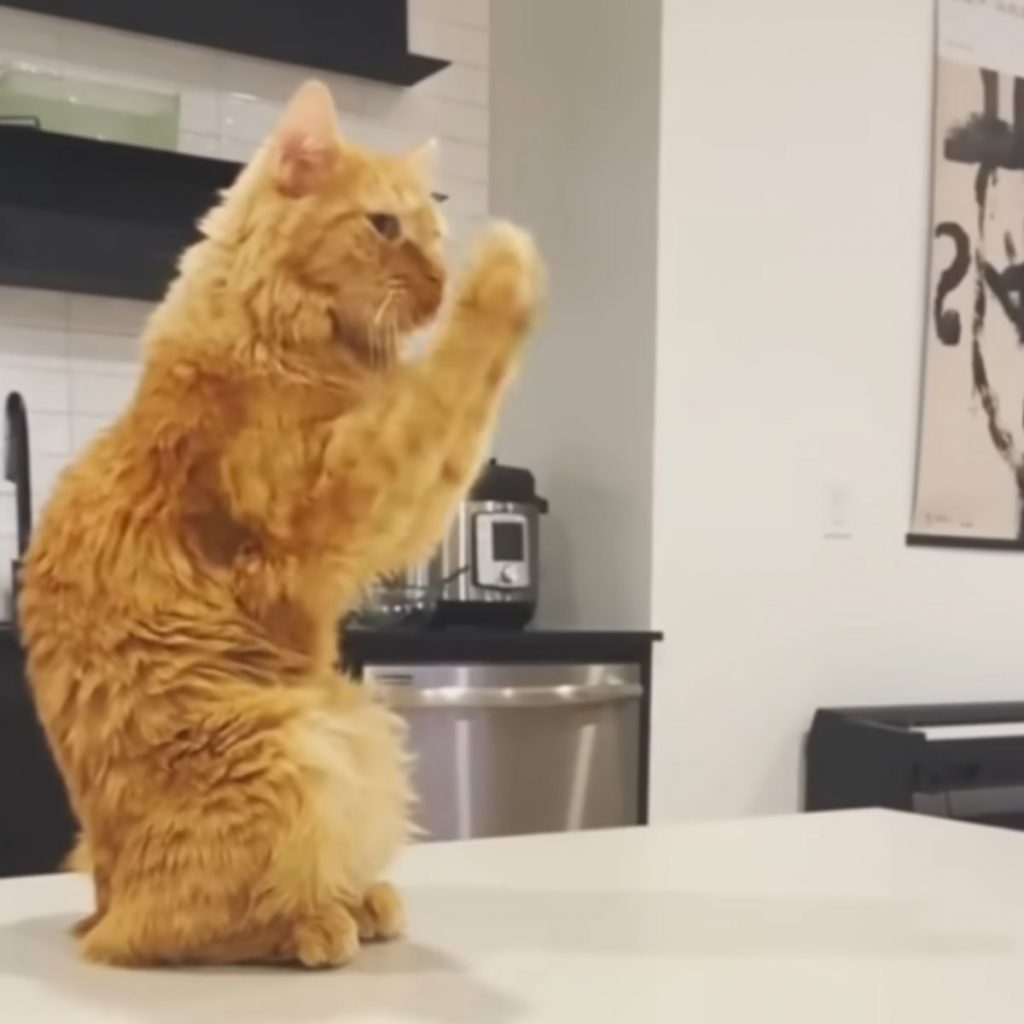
(838, 510)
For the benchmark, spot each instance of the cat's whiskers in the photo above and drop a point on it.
(390, 336)
(381, 333)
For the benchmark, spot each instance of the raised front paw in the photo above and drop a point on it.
(505, 279)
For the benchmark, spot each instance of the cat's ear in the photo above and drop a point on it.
(306, 141)
(423, 160)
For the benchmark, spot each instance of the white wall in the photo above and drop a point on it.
(574, 155)
(793, 231)
(75, 357)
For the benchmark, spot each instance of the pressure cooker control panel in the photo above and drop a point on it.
(502, 542)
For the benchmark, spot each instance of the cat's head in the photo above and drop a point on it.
(326, 242)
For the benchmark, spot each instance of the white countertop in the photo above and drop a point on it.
(852, 918)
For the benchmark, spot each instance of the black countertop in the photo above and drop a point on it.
(482, 646)
(476, 646)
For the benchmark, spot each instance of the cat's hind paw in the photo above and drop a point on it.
(329, 939)
(381, 915)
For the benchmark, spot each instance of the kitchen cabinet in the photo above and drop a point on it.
(364, 38)
(100, 218)
(36, 825)
(516, 732)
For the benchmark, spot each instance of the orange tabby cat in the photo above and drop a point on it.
(238, 798)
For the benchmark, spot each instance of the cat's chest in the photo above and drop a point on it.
(290, 429)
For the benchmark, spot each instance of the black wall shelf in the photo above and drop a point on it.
(99, 218)
(365, 38)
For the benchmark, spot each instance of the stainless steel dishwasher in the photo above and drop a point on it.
(513, 749)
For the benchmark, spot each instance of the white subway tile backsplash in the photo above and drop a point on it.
(138, 58)
(379, 136)
(467, 199)
(32, 307)
(99, 394)
(43, 390)
(49, 433)
(198, 111)
(84, 429)
(349, 93)
(8, 548)
(265, 79)
(464, 160)
(199, 144)
(7, 551)
(400, 108)
(7, 520)
(108, 315)
(246, 117)
(113, 76)
(118, 354)
(463, 122)
(450, 42)
(45, 471)
(425, 117)
(471, 13)
(461, 237)
(275, 83)
(458, 82)
(239, 150)
(43, 348)
(377, 99)
(76, 358)
(469, 231)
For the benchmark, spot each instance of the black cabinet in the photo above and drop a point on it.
(36, 824)
(101, 218)
(366, 38)
(98, 217)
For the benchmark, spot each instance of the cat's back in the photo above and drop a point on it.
(115, 492)
(88, 497)
(100, 535)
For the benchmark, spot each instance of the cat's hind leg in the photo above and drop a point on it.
(267, 866)
(81, 861)
(327, 938)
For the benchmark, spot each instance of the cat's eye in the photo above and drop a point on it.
(386, 225)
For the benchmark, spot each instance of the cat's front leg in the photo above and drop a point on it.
(394, 470)
(496, 307)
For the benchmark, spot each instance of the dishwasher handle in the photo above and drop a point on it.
(398, 695)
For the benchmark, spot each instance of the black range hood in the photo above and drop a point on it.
(365, 38)
(101, 218)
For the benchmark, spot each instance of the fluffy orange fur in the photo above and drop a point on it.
(239, 799)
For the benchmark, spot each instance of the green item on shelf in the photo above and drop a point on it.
(91, 109)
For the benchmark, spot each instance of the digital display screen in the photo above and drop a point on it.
(508, 542)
